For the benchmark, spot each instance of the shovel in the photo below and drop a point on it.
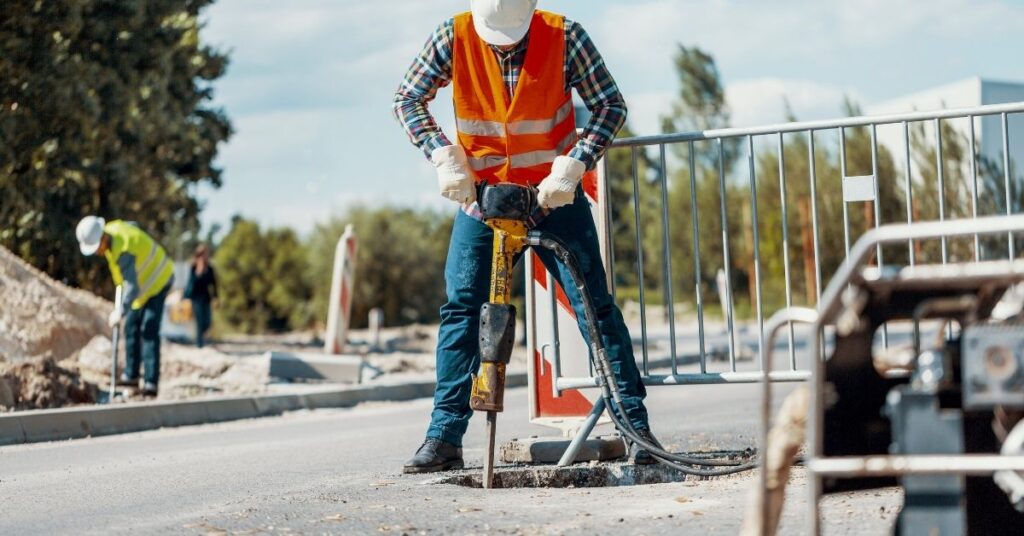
(114, 341)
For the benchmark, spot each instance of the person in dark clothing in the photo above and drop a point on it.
(202, 291)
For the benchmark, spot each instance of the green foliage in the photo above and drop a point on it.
(624, 195)
(261, 280)
(829, 206)
(700, 105)
(957, 190)
(104, 109)
(399, 263)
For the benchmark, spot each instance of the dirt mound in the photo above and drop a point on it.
(191, 372)
(42, 384)
(41, 318)
(185, 371)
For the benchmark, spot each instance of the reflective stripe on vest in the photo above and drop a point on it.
(541, 126)
(151, 281)
(487, 162)
(530, 126)
(513, 137)
(149, 259)
(473, 127)
(524, 160)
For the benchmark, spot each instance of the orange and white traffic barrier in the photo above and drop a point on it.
(553, 333)
(342, 284)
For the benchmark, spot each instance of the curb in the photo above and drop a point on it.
(91, 421)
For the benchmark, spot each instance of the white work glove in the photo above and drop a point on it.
(115, 317)
(455, 178)
(559, 188)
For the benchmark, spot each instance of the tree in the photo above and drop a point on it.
(829, 203)
(955, 195)
(957, 191)
(399, 263)
(623, 215)
(700, 106)
(700, 103)
(261, 280)
(104, 109)
(992, 186)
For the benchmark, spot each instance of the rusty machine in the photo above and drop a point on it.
(918, 382)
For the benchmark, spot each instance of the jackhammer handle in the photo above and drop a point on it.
(118, 299)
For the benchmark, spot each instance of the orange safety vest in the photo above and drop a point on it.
(513, 138)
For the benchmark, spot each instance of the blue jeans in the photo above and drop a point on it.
(142, 337)
(467, 282)
(204, 318)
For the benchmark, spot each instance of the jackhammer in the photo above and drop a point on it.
(507, 209)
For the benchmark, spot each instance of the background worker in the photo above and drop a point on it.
(201, 290)
(145, 273)
(513, 70)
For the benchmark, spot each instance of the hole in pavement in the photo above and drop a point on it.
(582, 476)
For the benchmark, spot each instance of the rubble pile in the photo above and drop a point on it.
(185, 371)
(41, 318)
(42, 384)
(43, 322)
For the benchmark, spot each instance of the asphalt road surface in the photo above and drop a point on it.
(338, 472)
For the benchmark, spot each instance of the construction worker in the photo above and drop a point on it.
(512, 69)
(144, 271)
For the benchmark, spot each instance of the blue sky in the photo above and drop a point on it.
(311, 81)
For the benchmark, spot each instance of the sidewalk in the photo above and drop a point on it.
(88, 421)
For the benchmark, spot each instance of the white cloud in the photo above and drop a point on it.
(317, 52)
(646, 109)
(881, 22)
(762, 100)
(756, 101)
(310, 81)
(276, 138)
(735, 31)
(777, 38)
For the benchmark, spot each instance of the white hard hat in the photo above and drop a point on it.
(89, 233)
(502, 22)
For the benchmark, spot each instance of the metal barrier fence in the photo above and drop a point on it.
(855, 189)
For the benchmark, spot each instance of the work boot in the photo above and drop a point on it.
(637, 454)
(149, 389)
(434, 455)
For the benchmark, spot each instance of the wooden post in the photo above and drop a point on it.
(917, 217)
(807, 242)
(748, 240)
(869, 222)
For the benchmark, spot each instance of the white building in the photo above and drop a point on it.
(965, 93)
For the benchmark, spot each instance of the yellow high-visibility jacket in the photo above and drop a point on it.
(137, 262)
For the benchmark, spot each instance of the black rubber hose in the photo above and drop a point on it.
(606, 376)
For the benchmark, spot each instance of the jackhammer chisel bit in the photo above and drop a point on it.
(497, 336)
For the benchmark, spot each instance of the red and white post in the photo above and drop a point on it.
(342, 280)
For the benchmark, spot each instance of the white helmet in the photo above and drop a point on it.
(502, 22)
(89, 233)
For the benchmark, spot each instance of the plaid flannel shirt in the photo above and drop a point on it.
(585, 71)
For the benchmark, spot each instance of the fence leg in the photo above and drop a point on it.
(581, 437)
